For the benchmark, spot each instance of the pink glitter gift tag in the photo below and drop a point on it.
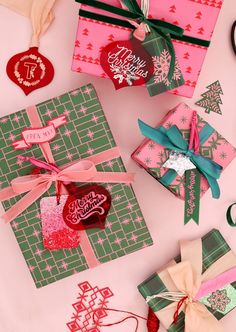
(56, 234)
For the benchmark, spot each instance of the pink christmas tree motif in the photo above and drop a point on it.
(84, 58)
(90, 60)
(89, 308)
(77, 57)
(219, 300)
(97, 61)
(77, 43)
(188, 27)
(201, 31)
(172, 9)
(188, 70)
(89, 46)
(198, 15)
(111, 37)
(186, 56)
(85, 32)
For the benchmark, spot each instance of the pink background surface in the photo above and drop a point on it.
(25, 309)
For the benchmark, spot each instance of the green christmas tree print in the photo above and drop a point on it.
(211, 99)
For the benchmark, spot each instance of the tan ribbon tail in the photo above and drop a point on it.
(199, 319)
(25, 202)
(192, 251)
(166, 315)
(40, 13)
(22, 7)
(41, 18)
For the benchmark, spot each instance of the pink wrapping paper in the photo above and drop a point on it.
(197, 17)
(151, 155)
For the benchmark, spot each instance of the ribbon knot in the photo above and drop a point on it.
(187, 284)
(173, 139)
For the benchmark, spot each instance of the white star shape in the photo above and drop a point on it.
(179, 162)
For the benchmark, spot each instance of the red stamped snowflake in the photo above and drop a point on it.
(89, 309)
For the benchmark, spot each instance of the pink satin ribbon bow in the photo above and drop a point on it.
(83, 171)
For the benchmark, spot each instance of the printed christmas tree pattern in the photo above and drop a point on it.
(211, 99)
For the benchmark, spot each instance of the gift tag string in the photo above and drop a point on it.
(152, 322)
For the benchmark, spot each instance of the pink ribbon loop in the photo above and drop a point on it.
(82, 171)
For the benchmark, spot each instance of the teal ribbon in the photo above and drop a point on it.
(134, 12)
(172, 139)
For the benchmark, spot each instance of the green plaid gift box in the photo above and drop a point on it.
(86, 133)
(219, 303)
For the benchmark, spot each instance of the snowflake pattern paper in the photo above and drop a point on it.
(86, 133)
(90, 308)
(161, 57)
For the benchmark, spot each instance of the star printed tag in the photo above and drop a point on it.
(127, 63)
(87, 207)
(179, 162)
(30, 70)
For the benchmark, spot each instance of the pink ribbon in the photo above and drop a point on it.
(194, 141)
(140, 31)
(36, 185)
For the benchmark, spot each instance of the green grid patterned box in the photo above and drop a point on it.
(86, 133)
(214, 247)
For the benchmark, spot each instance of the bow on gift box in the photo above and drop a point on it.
(187, 285)
(79, 171)
(172, 139)
(135, 18)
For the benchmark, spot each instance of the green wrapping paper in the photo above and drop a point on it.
(219, 303)
(86, 133)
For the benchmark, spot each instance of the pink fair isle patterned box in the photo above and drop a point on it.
(152, 156)
(197, 17)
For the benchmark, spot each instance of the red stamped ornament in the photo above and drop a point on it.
(30, 70)
(127, 63)
(87, 208)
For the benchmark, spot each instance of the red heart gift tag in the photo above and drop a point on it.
(30, 70)
(87, 207)
(127, 63)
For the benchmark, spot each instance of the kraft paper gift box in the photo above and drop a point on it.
(85, 134)
(217, 262)
(197, 18)
(152, 156)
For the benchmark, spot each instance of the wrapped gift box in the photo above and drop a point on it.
(152, 156)
(196, 17)
(85, 134)
(219, 303)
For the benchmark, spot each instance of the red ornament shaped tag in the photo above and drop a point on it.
(87, 208)
(30, 70)
(127, 63)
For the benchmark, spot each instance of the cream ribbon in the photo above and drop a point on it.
(185, 279)
(40, 12)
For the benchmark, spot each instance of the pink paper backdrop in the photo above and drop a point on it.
(25, 309)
